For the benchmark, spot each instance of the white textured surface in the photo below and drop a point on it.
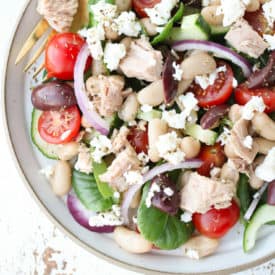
(26, 235)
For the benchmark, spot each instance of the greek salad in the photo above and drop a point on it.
(160, 116)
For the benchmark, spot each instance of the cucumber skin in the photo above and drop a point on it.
(264, 214)
(208, 137)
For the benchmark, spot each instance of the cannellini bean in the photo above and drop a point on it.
(131, 241)
(254, 181)
(264, 126)
(229, 151)
(184, 85)
(253, 5)
(198, 63)
(199, 247)
(229, 173)
(153, 94)
(149, 27)
(123, 5)
(210, 15)
(129, 108)
(190, 146)
(156, 128)
(235, 112)
(61, 179)
(264, 145)
(68, 150)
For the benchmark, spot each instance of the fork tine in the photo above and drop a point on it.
(38, 70)
(39, 51)
(38, 31)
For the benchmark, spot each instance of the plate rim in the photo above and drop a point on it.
(44, 208)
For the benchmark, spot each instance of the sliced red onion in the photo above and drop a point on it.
(83, 101)
(256, 198)
(210, 119)
(82, 215)
(217, 49)
(271, 193)
(166, 167)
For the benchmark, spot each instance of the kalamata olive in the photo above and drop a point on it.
(271, 193)
(53, 96)
(168, 199)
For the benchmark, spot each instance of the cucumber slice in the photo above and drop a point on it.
(192, 27)
(47, 149)
(149, 115)
(218, 30)
(208, 137)
(263, 215)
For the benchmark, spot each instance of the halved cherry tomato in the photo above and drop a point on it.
(212, 156)
(61, 53)
(243, 95)
(138, 139)
(140, 5)
(59, 127)
(219, 92)
(215, 223)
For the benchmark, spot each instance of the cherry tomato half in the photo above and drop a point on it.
(212, 156)
(59, 127)
(61, 53)
(243, 95)
(140, 5)
(138, 139)
(215, 223)
(219, 92)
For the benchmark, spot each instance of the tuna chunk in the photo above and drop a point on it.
(125, 161)
(142, 61)
(199, 194)
(58, 13)
(106, 93)
(119, 139)
(244, 39)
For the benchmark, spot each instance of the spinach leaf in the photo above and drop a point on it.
(164, 231)
(87, 192)
(104, 188)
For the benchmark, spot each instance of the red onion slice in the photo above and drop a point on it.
(82, 215)
(217, 49)
(271, 193)
(83, 101)
(166, 167)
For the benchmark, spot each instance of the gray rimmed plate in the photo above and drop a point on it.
(17, 112)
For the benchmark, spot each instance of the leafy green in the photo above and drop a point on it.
(164, 231)
(168, 27)
(104, 188)
(87, 192)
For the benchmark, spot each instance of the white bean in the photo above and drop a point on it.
(264, 145)
(123, 5)
(61, 179)
(129, 108)
(190, 146)
(68, 150)
(131, 241)
(153, 94)
(264, 126)
(184, 85)
(210, 15)
(149, 27)
(253, 5)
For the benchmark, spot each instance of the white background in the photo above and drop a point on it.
(26, 235)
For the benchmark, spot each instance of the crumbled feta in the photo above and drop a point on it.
(145, 169)
(116, 195)
(84, 161)
(168, 191)
(255, 104)
(235, 83)
(187, 103)
(177, 75)
(103, 12)
(266, 170)
(134, 219)
(232, 11)
(47, 171)
(270, 39)
(162, 107)
(224, 136)
(269, 12)
(186, 216)
(161, 12)
(174, 120)
(132, 123)
(192, 254)
(112, 218)
(206, 80)
(168, 146)
(248, 142)
(127, 24)
(102, 146)
(215, 172)
(146, 108)
(113, 53)
(206, 3)
(143, 158)
(133, 177)
(153, 189)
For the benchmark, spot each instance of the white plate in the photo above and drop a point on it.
(17, 110)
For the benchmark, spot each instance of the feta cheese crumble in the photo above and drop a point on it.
(161, 12)
(224, 136)
(143, 158)
(146, 108)
(177, 75)
(186, 216)
(103, 12)
(153, 189)
(113, 53)
(116, 195)
(174, 120)
(255, 104)
(84, 161)
(235, 83)
(215, 172)
(102, 146)
(266, 170)
(168, 191)
(248, 142)
(270, 39)
(269, 12)
(133, 177)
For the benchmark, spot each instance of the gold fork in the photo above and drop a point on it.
(80, 19)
